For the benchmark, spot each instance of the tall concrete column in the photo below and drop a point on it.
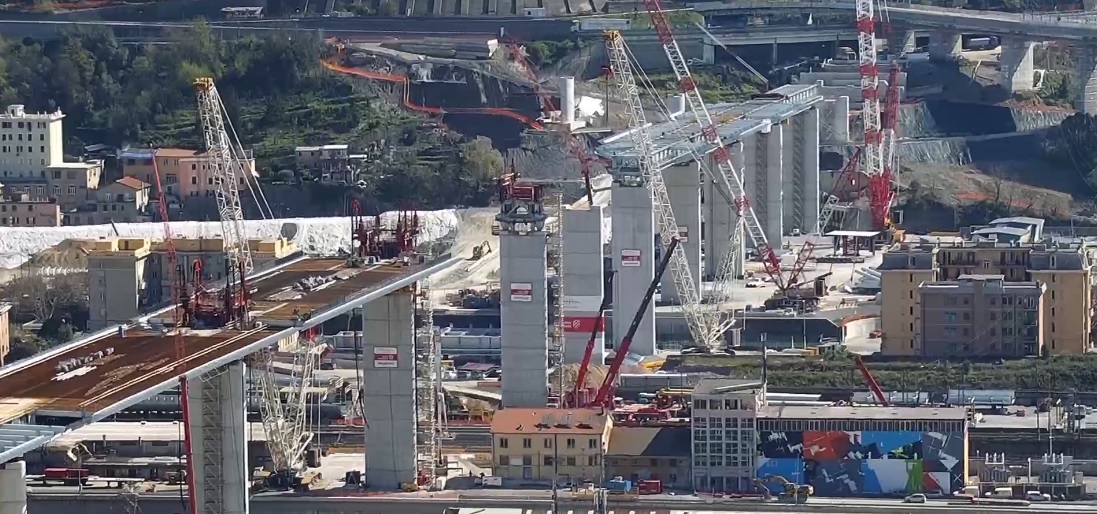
(219, 443)
(809, 124)
(840, 122)
(720, 217)
(902, 42)
(524, 314)
(388, 390)
(757, 182)
(1016, 63)
(792, 182)
(13, 488)
(945, 45)
(634, 259)
(1085, 63)
(584, 280)
(708, 53)
(684, 189)
(774, 198)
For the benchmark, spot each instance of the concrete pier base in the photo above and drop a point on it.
(1085, 95)
(945, 46)
(524, 313)
(1018, 73)
(388, 397)
(218, 419)
(13, 488)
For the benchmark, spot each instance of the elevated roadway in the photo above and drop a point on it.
(124, 366)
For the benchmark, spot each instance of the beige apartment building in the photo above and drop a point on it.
(32, 160)
(550, 444)
(125, 200)
(212, 252)
(21, 210)
(1064, 272)
(116, 280)
(981, 315)
(183, 172)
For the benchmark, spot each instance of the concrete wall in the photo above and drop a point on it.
(584, 278)
(634, 259)
(524, 317)
(388, 381)
(684, 189)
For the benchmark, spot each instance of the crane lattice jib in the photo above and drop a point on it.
(728, 177)
(224, 170)
(697, 317)
(873, 159)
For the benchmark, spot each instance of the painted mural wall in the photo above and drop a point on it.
(865, 463)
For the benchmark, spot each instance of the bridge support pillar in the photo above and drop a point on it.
(901, 42)
(945, 46)
(809, 161)
(684, 190)
(13, 488)
(584, 276)
(708, 53)
(523, 308)
(774, 143)
(1085, 63)
(1017, 69)
(721, 218)
(219, 440)
(388, 396)
(634, 259)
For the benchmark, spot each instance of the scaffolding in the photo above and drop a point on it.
(429, 397)
(556, 331)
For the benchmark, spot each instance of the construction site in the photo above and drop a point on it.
(709, 216)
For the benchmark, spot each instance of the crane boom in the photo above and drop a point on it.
(605, 393)
(873, 385)
(226, 177)
(179, 316)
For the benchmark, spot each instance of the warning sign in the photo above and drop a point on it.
(583, 324)
(385, 357)
(630, 258)
(683, 234)
(521, 292)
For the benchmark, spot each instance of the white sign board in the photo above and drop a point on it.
(575, 303)
(521, 292)
(630, 258)
(683, 234)
(385, 357)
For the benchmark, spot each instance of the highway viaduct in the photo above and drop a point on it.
(121, 366)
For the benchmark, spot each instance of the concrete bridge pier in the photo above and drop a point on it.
(720, 216)
(945, 46)
(684, 190)
(388, 383)
(219, 440)
(901, 42)
(13, 488)
(775, 177)
(633, 246)
(1085, 63)
(584, 274)
(1016, 63)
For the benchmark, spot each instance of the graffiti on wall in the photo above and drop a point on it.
(865, 463)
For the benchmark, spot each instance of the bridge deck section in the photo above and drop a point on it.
(140, 360)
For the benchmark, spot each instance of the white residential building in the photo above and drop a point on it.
(725, 443)
(30, 143)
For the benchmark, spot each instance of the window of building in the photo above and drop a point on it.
(570, 461)
(950, 317)
(967, 316)
(527, 460)
(548, 442)
(548, 460)
(527, 443)
(570, 443)
(592, 443)
(72, 190)
(699, 448)
(950, 300)
(503, 461)
(592, 460)
(503, 443)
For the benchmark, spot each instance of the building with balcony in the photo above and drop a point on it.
(980, 316)
(183, 172)
(548, 444)
(723, 435)
(20, 210)
(1064, 270)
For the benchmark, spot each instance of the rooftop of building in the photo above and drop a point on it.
(127, 431)
(870, 412)
(516, 420)
(724, 385)
(19, 111)
(1049, 255)
(990, 283)
(146, 153)
(650, 442)
(132, 183)
(674, 139)
(320, 147)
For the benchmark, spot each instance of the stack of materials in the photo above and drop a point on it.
(466, 49)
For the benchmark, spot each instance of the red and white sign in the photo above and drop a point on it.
(683, 234)
(521, 292)
(583, 324)
(630, 258)
(385, 357)
(576, 303)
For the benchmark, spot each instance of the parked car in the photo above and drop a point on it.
(915, 498)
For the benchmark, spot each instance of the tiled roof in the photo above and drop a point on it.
(548, 421)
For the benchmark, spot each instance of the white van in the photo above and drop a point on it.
(1000, 492)
(1037, 496)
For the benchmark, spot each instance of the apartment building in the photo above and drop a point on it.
(1064, 270)
(548, 444)
(20, 210)
(32, 159)
(183, 172)
(212, 253)
(116, 280)
(125, 200)
(981, 315)
(723, 435)
(322, 158)
(651, 453)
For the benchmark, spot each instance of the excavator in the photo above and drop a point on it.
(790, 492)
(481, 250)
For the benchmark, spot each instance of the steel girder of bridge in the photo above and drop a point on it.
(16, 439)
